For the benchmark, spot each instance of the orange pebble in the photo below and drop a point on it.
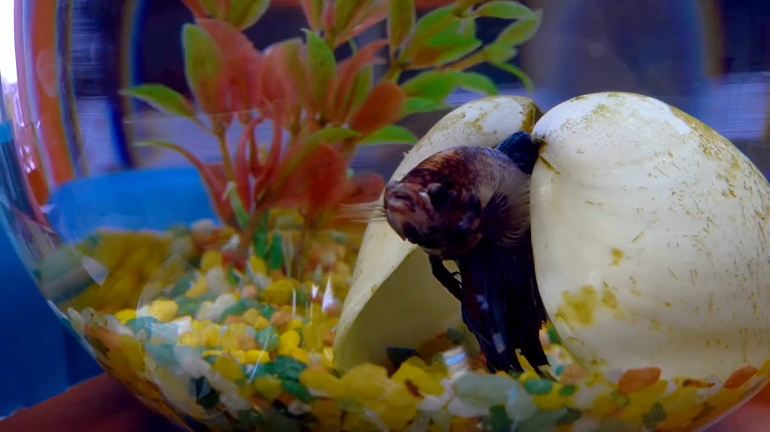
(636, 379)
(739, 377)
(249, 291)
(275, 275)
(572, 374)
(246, 342)
(280, 319)
(233, 319)
(329, 338)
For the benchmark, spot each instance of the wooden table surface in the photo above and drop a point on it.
(102, 404)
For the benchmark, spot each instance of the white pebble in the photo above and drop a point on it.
(203, 226)
(215, 279)
(521, 407)
(461, 409)
(183, 325)
(585, 396)
(420, 423)
(705, 393)
(298, 408)
(435, 403)
(204, 311)
(585, 424)
(223, 302)
(443, 420)
(143, 311)
(181, 246)
(220, 383)
(191, 362)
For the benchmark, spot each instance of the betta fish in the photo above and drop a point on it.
(470, 205)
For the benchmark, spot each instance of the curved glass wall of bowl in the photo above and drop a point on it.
(186, 203)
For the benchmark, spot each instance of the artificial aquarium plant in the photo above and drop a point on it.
(321, 107)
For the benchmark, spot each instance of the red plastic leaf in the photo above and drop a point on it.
(243, 63)
(195, 8)
(318, 180)
(327, 16)
(312, 10)
(347, 71)
(242, 164)
(363, 188)
(205, 69)
(381, 107)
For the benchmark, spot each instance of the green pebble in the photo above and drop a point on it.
(205, 395)
(182, 285)
(141, 323)
(398, 355)
(163, 354)
(288, 368)
(232, 277)
(538, 386)
(542, 420)
(298, 390)
(187, 306)
(275, 255)
(266, 310)
(568, 390)
(553, 336)
(456, 336)
(483, 391)
(267, 338)
(571, 416)
(240, 307)
(653, 417)
(302, 297)
(261, 370)
(497, 421)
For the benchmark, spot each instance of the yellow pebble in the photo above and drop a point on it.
(251, 316)
(211, 259)
(228, 367)
(288, 342)
(365, 381)
(279, 292)
(163, 310)
(257, 357)
(268, 386)
(198, 288)
(125, 315)
(257, 265)
(424, 382)
(211, 336)
(313, 336)
(208, 353)
(301, 355)
(328, 358)
(189, 339)
(295, 324)
(261, 323)
(321, 381)
(239, 355)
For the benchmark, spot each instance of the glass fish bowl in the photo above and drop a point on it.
(399, 215)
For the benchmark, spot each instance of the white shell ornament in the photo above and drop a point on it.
(650, 236)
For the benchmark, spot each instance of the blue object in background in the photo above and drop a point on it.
(40, 357)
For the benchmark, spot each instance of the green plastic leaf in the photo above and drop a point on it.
(344, 11)
(476, 82)
(418, 104)
(392, 134)
(431, 24)
(261, 245)
(331, 135)
(161, 98)
(518, 73)
(439, 55)
(435, 85)
(519, 32)
(361, 87)
(505, 10)
(321, 65)
(204, 67)
(499, 53)
(401, 20)
(231, 193)
(245, 13)
(275, 255)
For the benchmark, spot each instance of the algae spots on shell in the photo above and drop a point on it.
(617, 256)
(579, 307)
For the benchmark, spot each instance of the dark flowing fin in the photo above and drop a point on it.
(503, 305)
(520, 148)
(445, 277)
(505, 218)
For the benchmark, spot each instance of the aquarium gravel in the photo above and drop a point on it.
(252, 349)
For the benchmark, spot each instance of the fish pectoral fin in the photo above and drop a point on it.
(521, 149)
(505, 218)
(445, 277)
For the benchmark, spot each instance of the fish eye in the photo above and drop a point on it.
(439, 195)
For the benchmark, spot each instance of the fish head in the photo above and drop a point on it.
(443, 220)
